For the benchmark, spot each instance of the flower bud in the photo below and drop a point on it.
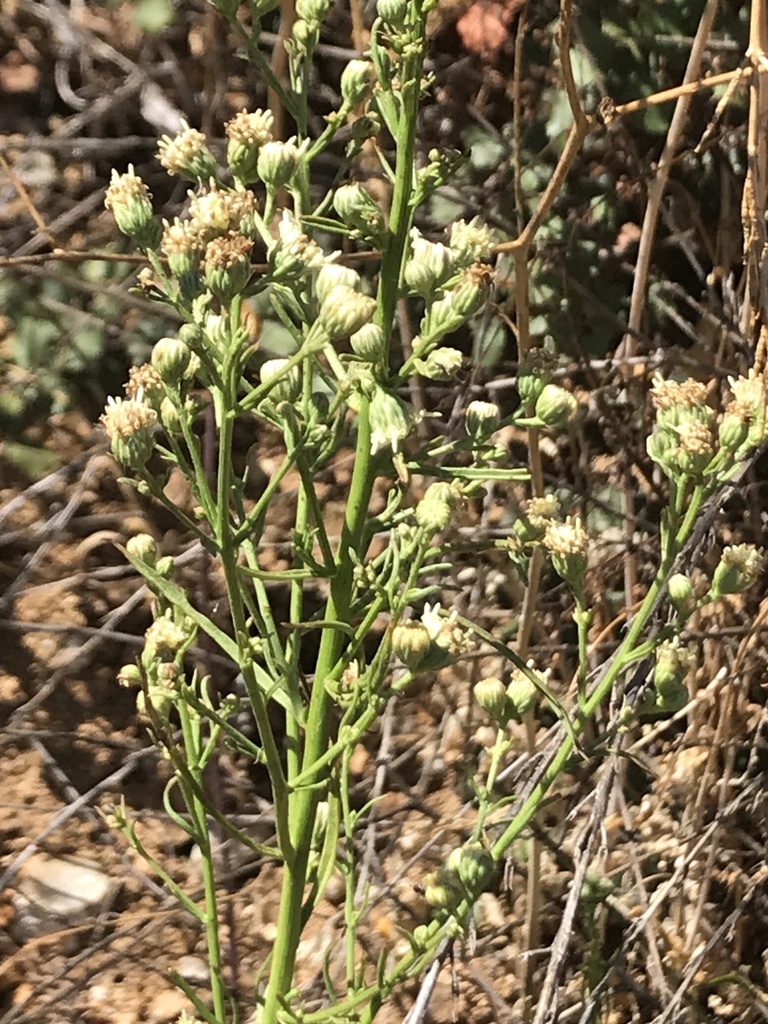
(733, 432)
(597, 888)
(277, 163)
(331, 275)
(491, 695)
(312, 11)
(164, 567)
(681, 595)
(192, 335)
(169, 417)
(521, 694)
(171, 358)
(217, 331)
(129, 424)
(672, 665)
(344, 311)
(369, 343)
(129, 675)
(481, 419)
(433, 512)
(187, 156)
(439, 895)
(227, 265)
(442, 890)
(475, 868)
(456, 306)
(441, 168)
(391, 420)
(359, 211)
(555, 406)
(357, 80)
(411, 643)
(393, 12)
(431, 263)
(531, 381)
(292, 255)
(739, 568)
(130, 202)
(143, 548)
(287, 386)
(304, 38)
(246, 134)
(660, 445)
(441, 364)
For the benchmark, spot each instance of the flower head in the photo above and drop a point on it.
(739, 568)
(293, 254)
(471, 241)
(227, 265)
(130, 201)
(129, 423)
(146, 382)
(166, 636)
(182, 245)
(186, 155)
(246, 134)
(446, 631)
(567, 544)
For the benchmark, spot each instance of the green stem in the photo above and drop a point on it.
(224, 531)
(191, 731)
(414, 960)
(303, 809)
(401, 213)
(304, 801)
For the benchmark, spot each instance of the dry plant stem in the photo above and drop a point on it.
(517, 119)
(666, 95)
(24, 196)
(520, 249)
(628, 346)
(279, 65)
(585, 852)
(753, 206)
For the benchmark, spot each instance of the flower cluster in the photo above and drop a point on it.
(509, 703)
(688, 443)
(466, 873)
(432, 641)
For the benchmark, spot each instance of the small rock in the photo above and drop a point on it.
(194, 970)
(56, 891)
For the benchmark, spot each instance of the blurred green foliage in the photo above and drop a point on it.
(63, 343)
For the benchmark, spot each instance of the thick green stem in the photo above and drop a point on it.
(304, 802)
